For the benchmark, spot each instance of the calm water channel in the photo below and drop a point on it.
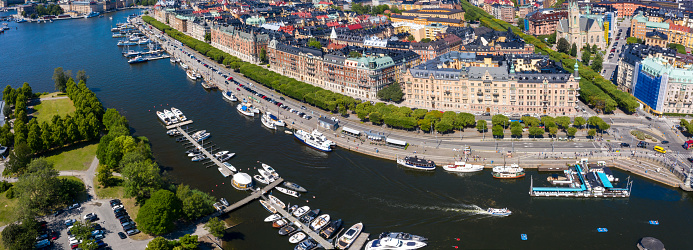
(350, 186)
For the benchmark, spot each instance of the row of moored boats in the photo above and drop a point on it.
(172, 116)
(501, 172)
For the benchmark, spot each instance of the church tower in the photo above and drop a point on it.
(574, 22)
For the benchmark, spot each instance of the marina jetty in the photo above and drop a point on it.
(583, 180)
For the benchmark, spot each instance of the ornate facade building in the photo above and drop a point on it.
(581, 30)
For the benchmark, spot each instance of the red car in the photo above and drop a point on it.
(229, 79)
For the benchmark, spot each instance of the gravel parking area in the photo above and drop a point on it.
(107, 220)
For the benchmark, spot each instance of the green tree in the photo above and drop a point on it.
(530, 121)
(60, 78)
(563, 45)
(464, 120)
(39, 189)
(314, 43)
(19, 236)
(444, 126)
(521, 23)
(595, 49)
(392, 92)
(571, 131)
(425, 40)
(158, 214)
(553, 131)
(159, 243)
(563, 121)
(516, 131)
(592, 132)
(20, 132)
(579, 122)
(548, 121)
(500, 120)
(188, 242)
(411, 38)
(354, 54)
(594, 121)
(141, 179)
(263, 55)
(597, 63)
(19, 160)
(195, 203)
(216, 227)
(208, 37)
(573, 50)
(497, 131)
(586, 55)
(26, 90)
(535, 131)
(6, 111)
(375, 118)
(46, 138)
(34, 138)
(481, 125)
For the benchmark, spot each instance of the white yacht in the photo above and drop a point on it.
(270, 170)
(245, 110)
(349, 237)
(267, 122)
(463, 167)
(228, 95)
(230, 167)
(178, 114)
(499, 211)
(163, 117)
(311, 141)
(170, 116)
(392, 244)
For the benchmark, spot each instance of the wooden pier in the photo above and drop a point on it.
(360, 241)
(303, 227)
(178, 125)
(251, 197)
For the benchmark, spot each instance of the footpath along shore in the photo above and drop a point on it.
(440, 149)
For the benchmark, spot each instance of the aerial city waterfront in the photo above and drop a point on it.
(346, 125)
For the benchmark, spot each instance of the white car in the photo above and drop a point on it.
(116, 207)
(69, 222)
(75, 241)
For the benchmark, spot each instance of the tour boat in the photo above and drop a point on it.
(311, 141)
(463, 167)
(331, 229)
(137, 59)
(170, 116)
(260, 179)
(286, 230)
(350, 236)
(230, 167)
(267, 206)
(279, 223)
(318, 135)
(179, 114)
(228, 95)
(267, 122)
(294, 186)
(401, 236)
(273, 217)
(310, 216)
(270, 170)
(392, 244)
(245, 110)
(276, 201)
(320, 222)
(221, 170)
(288, 191)
(416, 163)
(508, 172)
(297, 237)
(498, 211)
(308, 244)
(301, 211)
(163, 117)
(190, 74)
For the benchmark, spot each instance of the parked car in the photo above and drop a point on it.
(69, 222)
(76, 205)
(116, 207)
(129, 227)
(98, 236)
(133, 232)
(122, 235)
(115, 202)
(625, 145)
(91, 217)
(124, 219)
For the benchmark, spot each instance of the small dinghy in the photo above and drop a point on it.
(301, 211)
(273, 217)
(260, 179)
(276, 201)
(294, 186)
(267, 206)
(297, 237)
(279, 223)
(287, 191)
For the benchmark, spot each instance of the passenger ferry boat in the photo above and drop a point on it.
(312, 141)
(508, 172)
(416, 163)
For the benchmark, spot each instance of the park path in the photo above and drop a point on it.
(86, 176)
(53, 98)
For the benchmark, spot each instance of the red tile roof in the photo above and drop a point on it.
(354, 26)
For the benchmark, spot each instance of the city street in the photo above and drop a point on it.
(610, 64)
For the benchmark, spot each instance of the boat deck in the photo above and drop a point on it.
(304, 228)
(360, 241)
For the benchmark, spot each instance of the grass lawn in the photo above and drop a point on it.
(75, 157)
(7, 209)
(45, 110)
(115, 192)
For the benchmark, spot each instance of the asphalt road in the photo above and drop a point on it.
(609, 65)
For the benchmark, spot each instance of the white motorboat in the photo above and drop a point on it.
(178, 114)
(223, 201)
(294, 186)
(270, 170)
(279, 223)
(260, 179)
(349, 237)
(288, 191)
(416, 163)
(245, 110)
(311, 141)
(202, 137)
(173, 132)
(267, 206)
(191, 75)
(172, 59)
(230, 167)
(254, 109)
(297, 237)
(301, 211)
(267, 175)
(498, 211)
(228, 95)
(401, 236)
(320, 222)
(186, 67)
(275, 120)
(267, 122)
(273, 217)
(276, 201)
(163, 117)
(198, 133)
(225, 157)
(220, 153)
(394, 244)
(170, 116)
(288, 132)
(199, 157)
(463, 167)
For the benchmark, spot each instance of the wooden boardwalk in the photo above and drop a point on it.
(251, 197)
(304, 228)
(360, 241)
(178, 125)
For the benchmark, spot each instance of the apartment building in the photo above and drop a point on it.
(244, 42)
(543, 22)
(634, 54)
(436, 12)
(662, 87)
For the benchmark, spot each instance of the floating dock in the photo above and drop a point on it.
(585, 184)
(254, 195)
(360, 241)
(178, 125)
(304, 228)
